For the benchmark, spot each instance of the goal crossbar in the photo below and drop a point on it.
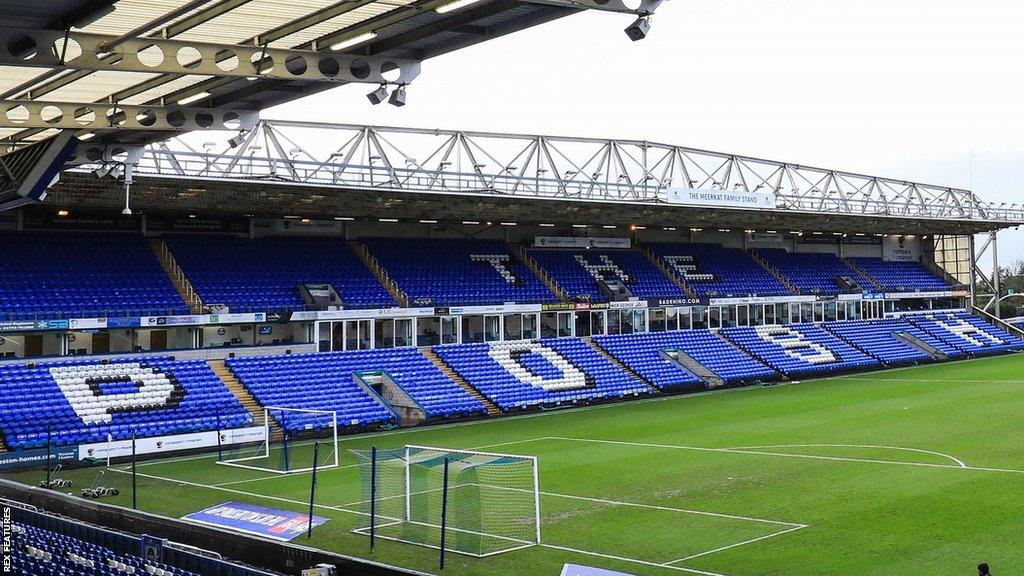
(288, 454)
(492, 499)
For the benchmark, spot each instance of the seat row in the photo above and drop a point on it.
(78, 401)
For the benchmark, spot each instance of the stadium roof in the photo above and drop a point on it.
(396, 29)
(323, 171)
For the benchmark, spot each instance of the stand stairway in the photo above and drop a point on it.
(492, 408)
(248, 401)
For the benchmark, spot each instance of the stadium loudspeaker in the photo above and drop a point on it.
(378, 95)
(397, 96)
(639, 28)
(31, 170)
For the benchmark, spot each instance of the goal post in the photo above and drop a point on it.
(465, 501)
(286, 445)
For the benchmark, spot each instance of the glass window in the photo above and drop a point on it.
(614, 322)
(403, 332)
(530, 325)
(513, 326)
(806, 312)
(699, 317)
(384, 333)
(449, 330)
(565, 320)
(324, 336)
(742, 315)
(597, 322)
(428, 331)
(582, 324)
(492, 328)
(671, 319)
(640, 320)
(549, 325)
(472, 328)
(830, 311)
(657, 317)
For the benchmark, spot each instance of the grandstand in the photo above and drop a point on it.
(526, 304)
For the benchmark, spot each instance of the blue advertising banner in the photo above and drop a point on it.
(577, 570)
(256, 520)
(37, 457)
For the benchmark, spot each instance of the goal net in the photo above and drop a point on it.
(473, 503)
(291, 441)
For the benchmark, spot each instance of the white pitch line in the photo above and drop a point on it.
(631, 560)
(668, 509)
(738, 544)
(658, 507)
(871, 446)
(793, 526)
(785, 455)
(241, 492)
(322, 470)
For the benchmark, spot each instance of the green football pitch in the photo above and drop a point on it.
(912, 471)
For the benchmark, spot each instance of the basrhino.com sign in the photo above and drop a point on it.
(256, 520)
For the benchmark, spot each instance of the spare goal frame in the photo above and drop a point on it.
(263, 451)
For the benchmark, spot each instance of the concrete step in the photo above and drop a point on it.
(539, 272)
(615, 361)
(492, 409)
(382, 275)
(176, 275)
(874, 283)
(660, 265)
(775, 273)
(243, 395)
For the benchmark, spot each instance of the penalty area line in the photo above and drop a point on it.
(631, 560)
(738, 544)
(787, 455)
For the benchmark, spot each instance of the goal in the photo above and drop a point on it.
(472, 503)
(291, 441)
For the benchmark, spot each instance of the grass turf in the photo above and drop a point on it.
(917, 470)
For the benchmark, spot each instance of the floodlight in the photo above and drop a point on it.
(639, 28)
(379, 95)
(103, 171)
(238, 140)
(398, 96)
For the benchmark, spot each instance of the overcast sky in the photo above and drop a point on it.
(900, 88)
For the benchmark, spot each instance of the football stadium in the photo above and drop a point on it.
(298, 347)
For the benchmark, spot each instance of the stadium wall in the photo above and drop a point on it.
(281, 557)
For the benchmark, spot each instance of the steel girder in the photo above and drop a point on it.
(79, 116)
(85, 51)
(554, 167)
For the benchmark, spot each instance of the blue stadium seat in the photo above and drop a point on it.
(265, 274)
(530, 373)
(879, 339)
(642, 353)
(85, 401)
(966, 333)
(717, 272)
(456, 272)
(577, 272)
(39, 552)
(324, 381)
(726, 361)
(812, 272)
(55, 275)
(901, 276)
(799, 350)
